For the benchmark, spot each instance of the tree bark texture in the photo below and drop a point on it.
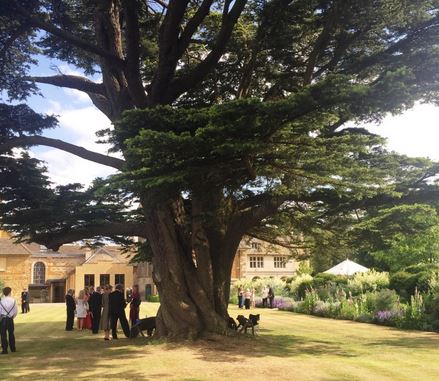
(193, 295)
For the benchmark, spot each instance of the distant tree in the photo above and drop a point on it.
(232, 118)
(401, 236)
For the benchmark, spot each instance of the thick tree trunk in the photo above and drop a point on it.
(193, 293)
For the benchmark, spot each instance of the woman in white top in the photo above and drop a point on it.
(81, 309)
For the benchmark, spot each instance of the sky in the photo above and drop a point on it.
(414, 133)
(78, 120)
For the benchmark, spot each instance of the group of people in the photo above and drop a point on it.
(246, 298)
(102, 309)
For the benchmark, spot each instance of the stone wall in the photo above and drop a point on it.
(16, 273)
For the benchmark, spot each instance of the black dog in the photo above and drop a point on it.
(147, 324)
(232, 324)
(244, 323)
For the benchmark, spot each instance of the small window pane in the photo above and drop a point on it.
(89, 280)
(104, 279)
(119, 279)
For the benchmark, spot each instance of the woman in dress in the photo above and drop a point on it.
(105, 318)
(81, 309)
(134, 305)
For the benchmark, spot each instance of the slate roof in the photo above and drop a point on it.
(7, 246)
(107, 253)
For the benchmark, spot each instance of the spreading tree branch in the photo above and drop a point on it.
(402, 45)
(66, 36)
(23, 141)
(55, 240)
(321, 43)
(184, 83)
(132, 68)
(192, 25)
(72, 82)
(168, 53)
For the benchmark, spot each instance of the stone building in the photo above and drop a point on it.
(49, 274)
(257, 258)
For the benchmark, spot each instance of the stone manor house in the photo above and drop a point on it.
(47, 274)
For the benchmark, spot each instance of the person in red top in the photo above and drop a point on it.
(134, 305)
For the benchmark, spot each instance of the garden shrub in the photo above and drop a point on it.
(422, 267)
(433, 283)
(153, 298)
(282, 303)
(370, 299)
(322, 308)
(431, 305)
(369, 281)
(305, 279)
(348, 310)
(404, 283)
(321, 279)
(415, 317)
(309, 301)
(386, 300)
(303, 288)
(422, 280)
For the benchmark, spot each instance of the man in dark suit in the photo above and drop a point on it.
(117, 306)
(24, 301)
(71, 306)
(95, 304)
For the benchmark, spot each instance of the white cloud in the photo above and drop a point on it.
(77, 126)
(64, 168)
(78, 97)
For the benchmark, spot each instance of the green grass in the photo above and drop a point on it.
(288, 347)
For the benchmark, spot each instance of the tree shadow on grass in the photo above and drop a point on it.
(430, 342)
(222, 349)
(71, 355)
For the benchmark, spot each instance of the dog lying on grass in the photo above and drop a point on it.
(244, 323)
(147, 324)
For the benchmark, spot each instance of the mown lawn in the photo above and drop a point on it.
(288, 347)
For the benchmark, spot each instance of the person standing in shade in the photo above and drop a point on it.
(71, 307)
(27, 301)
(240, 297)
(117, 311)
(247, 298)
(271, 296)
(88, 291)
(95, 305)
(264, 296)
(134, 305)
(24, 301)
(8, 311)
(105, 317)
